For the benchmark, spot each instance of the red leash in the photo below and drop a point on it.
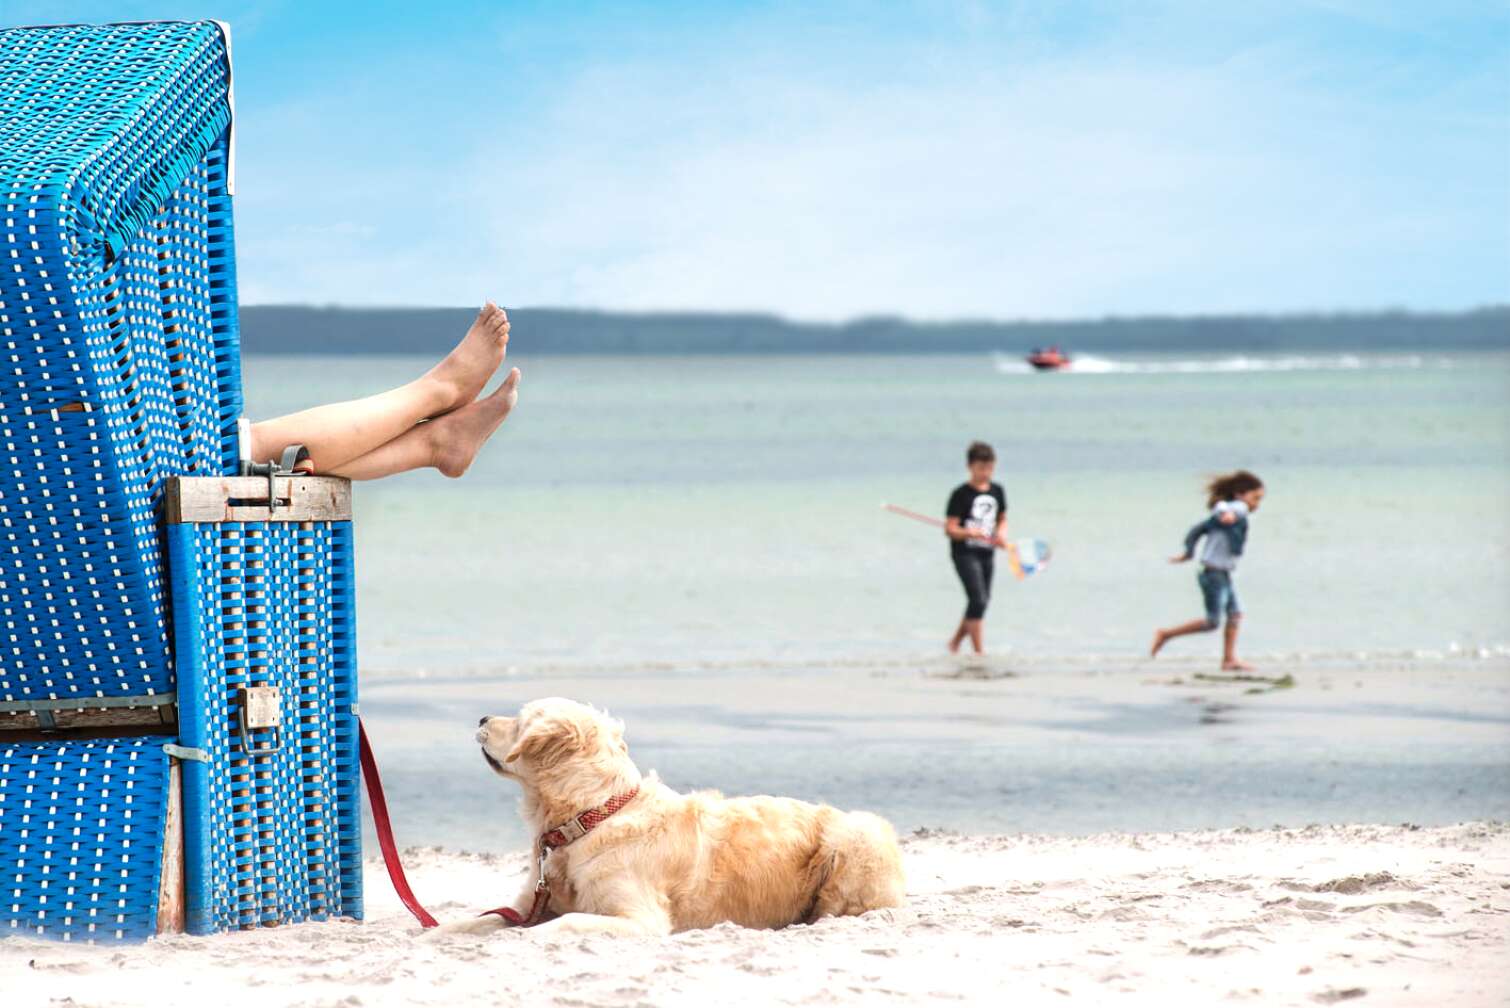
(537, 908)
(385, 832)
(575, 828)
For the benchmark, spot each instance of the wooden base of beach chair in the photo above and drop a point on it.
(170, 886)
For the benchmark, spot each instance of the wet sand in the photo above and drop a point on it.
(1058, 746)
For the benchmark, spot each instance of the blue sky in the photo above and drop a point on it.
(823, 161)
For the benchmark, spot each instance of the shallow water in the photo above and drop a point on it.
(698, 544)
(728, 508)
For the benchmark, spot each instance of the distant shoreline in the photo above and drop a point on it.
(296, 329)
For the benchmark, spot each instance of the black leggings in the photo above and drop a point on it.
(974, 567)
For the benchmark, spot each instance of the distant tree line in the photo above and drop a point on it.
(304, 329)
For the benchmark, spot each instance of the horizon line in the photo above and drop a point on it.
(1489, 308)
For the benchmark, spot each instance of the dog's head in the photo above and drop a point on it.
(551, 737)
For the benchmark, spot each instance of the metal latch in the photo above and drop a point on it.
(259, 707)
(293, 457)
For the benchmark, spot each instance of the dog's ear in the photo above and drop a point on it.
(548, 740)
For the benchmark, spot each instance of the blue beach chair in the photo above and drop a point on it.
(178, 738)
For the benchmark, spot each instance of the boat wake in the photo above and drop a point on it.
(1094, 365)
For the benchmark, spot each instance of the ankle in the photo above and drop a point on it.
(434, 446)
(441, 394)
(451, 455)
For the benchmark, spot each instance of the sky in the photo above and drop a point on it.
(824, 161)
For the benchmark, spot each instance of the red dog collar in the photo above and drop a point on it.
(578, 826)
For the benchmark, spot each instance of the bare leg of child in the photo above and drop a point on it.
(337, 433)
(1230, 662)
(1164, 636)
(449, 443)
(973, 628)
(959, 636)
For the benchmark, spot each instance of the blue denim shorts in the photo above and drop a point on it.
(1219, 594)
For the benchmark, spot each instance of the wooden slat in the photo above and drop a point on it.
(244, 498)
(170, 888)
(105, 719)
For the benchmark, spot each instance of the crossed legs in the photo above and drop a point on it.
(434, 421)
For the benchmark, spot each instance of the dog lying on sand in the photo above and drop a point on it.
(622, 853)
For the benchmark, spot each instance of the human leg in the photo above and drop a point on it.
(1215, 590)
(1166, 634)
(448, 443)
(978, 627)
(974, 570)
(1230, 661)
(337, 433)
(959, 636)
(973, 628)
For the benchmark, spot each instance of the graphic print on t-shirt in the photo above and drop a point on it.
(976, 511)
(982, 519)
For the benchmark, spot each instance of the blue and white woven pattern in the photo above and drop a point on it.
(81, 838)
(118, 341)
(272, 838)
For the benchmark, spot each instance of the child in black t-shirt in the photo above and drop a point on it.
(976, 523)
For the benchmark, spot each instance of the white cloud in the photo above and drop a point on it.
(962, 183)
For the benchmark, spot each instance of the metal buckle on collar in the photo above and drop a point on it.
(573, 829)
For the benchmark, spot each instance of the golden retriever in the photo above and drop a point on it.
(668, 862)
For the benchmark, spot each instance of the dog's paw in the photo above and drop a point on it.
(483, 925)
(901, 915)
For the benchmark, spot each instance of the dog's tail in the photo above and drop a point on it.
(860, 866)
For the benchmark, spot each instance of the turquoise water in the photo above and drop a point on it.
(692, 510)
(698, 545)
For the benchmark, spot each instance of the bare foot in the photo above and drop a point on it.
(456, 437)
(954, 646)
(1233, 665)
(460, 377)
(1160, 638)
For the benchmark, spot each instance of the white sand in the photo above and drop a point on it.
(1363, 914)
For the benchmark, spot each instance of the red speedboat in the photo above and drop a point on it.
(1052, 359)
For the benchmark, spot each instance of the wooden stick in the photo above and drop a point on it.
(925, 519)
(1013, 563)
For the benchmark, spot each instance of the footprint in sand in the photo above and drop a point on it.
(1354, 884)
(1416, 908)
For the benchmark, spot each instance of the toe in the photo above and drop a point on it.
(508, 392)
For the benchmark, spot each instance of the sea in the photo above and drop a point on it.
(698, 545)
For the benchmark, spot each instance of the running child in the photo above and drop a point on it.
(1231, 498)
(976, 523)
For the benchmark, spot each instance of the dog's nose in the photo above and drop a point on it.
(482, 720)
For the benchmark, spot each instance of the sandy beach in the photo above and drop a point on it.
(1380, 915)
(689, 361)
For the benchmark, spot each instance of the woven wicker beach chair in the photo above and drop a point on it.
(178, 742)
